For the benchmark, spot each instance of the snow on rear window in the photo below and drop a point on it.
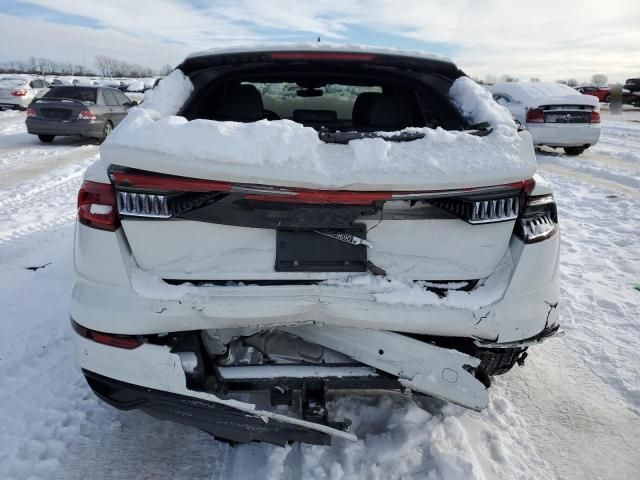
(283, 152)
(477, 105)
(170, 94)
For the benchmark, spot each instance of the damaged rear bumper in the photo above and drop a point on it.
(152, 378)
(222, 421)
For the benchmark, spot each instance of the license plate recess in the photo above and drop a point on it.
(308, 251)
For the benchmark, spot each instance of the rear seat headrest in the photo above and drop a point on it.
(390, 111)
(241, 103)
(361, 114)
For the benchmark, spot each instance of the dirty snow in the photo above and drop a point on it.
(572, 412)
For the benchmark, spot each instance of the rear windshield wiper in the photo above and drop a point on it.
(345, 137)
(481, 129)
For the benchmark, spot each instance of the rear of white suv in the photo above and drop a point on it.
(313, 221)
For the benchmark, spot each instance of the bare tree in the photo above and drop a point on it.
(166, 70)
(534, 79)
(599, 79)
(508, 78)
(490, 79)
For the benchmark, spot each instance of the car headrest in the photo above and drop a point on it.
(361, 114)
(241, 103)
(390, 111)
(305, 116)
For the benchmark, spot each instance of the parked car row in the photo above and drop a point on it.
(630, 92)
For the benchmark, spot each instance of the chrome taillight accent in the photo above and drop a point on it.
(143, 205)
(481, 211)
(539, 219)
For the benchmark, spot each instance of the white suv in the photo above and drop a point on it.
(275, 227)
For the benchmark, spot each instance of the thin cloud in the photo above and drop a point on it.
(547, 38)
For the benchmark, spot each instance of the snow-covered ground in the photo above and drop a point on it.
(572, 412)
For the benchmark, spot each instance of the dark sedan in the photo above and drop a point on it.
(77, 111)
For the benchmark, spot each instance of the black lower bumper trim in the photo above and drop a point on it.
(223, 422)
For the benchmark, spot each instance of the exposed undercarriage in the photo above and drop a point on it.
(294, 372)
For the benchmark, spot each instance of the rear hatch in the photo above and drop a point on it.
(198, 213)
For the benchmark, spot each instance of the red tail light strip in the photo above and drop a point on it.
(167, 184)
(156, 183)
(363, 57)
(127, 342)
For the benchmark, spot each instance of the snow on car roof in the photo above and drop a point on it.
(534, 89)
(320, 46)
(533, 93)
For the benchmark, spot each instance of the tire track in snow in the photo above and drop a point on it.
(588, 178)
(580, 426)
(41, 203)
(13, 177)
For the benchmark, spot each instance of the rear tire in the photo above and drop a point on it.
(573, 151)
(46, 138)
(106, 131)
(607, 98)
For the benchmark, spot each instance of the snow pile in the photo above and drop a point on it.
(477, 105)
(286, 153)
(170, 94)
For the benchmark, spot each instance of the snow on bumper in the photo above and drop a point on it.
(521, 311)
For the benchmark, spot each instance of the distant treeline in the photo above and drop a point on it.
(105, 66)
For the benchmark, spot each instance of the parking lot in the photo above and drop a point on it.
(574, 412)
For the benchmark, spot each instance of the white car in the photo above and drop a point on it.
(556, 115)
(19, 92)
(244, 253)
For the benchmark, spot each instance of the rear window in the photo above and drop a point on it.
(83, 94)
(343, 101)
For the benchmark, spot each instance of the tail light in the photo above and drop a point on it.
(19, 93)
(535, 115)
(31, 112)
(143, 194)
(86, 115)
(595, 116)
(483, 210)
(97, 206)
(128, 342)
(539, 219)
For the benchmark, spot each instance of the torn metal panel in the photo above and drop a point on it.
(155, 367)
(439, 372)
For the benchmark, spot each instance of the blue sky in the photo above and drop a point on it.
(524, 39)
